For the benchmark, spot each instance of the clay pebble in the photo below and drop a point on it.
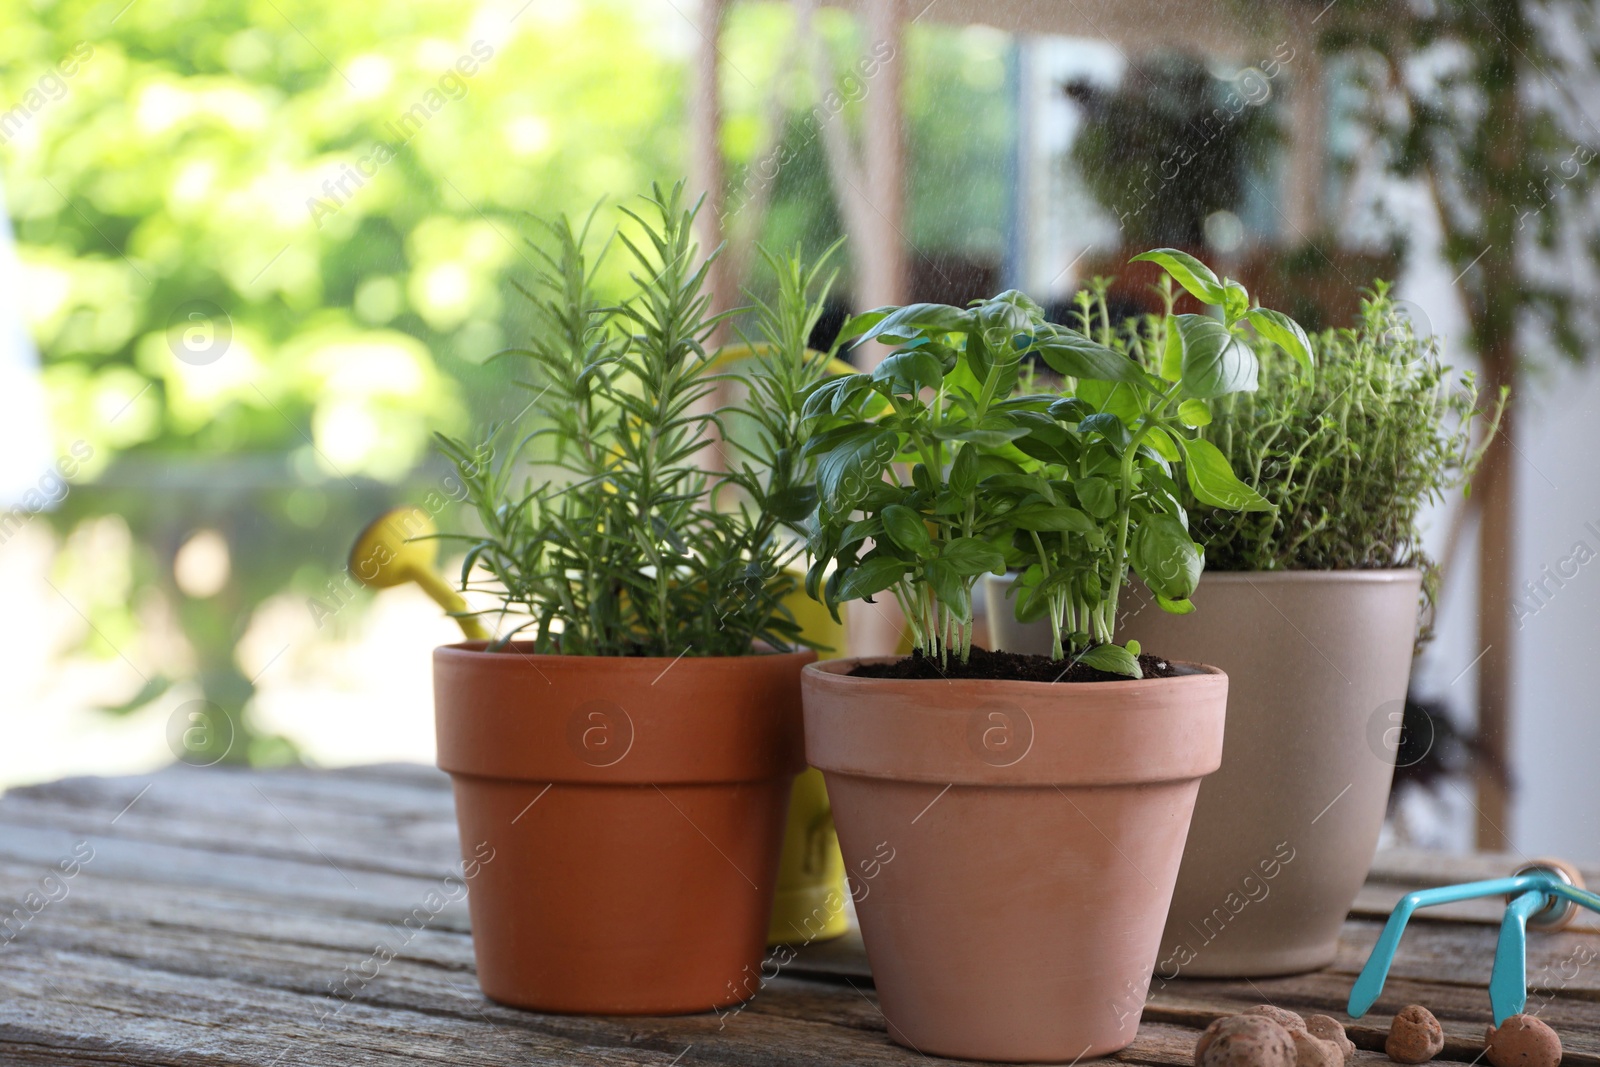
(1415, 1036)
(1245, 1041)
(1330, 1029)
(1313, 1051)
(1282, 1016)
(1523, 1041)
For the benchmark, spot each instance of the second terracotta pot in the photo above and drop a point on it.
(632, 811)
(1012, 847)
(1284, 833)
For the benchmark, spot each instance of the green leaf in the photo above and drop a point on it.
(1120, 398)
(872, 576)
(971, 556)
(1172, 353)
(908, 372)
(1045, 518)
(858, 531)
(1031, 605)
(792, 503)
(1113, 659)
(1070, 409)
(1236, 300)
(1108, 426)
(1286, 333)
(863, 322)
(906, 529)
(1213, 482)
(1195, 413)
(1070, 353)
(844, 474)
(1166, 557)
(1097, 495)
(1175, 607)
(934, 318)
(996, 367)
(964, 472)
(1214, 362)
(950, 588)
(1161, 442)
(985, 438)
(1188, 272)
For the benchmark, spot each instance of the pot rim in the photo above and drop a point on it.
(1376, 575)
(475, 649)
(1087, 734)
(835, 669)
(530, 717)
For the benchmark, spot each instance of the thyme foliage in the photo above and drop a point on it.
(1351, 457)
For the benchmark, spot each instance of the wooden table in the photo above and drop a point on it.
(210, 912)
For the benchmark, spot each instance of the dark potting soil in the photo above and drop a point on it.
(1010, 666)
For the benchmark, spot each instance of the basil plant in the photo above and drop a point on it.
(941, 465)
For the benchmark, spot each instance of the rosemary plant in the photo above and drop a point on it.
(626, 551)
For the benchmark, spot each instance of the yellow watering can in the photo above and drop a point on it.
(390, 552)
(810, 902)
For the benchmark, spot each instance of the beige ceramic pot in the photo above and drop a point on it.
(1012, 847)
(632, 811)
(1284, 833)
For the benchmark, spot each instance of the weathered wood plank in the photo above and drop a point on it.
(221, 912)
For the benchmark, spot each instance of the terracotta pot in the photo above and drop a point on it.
(633, 809)
(1284, 833)
(1012, 847)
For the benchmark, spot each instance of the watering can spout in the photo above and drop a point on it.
(396, 548)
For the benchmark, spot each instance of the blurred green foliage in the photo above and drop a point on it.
(336, 191)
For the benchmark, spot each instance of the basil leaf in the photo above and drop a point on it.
(907, 530)
(964, 472)
(1166, 557)
(1070, 409)
(873, 576)
(1235, 300)
(1172, 352)
(1070, 353)
(1097, 495)
(970, 556)
(1286, 333)
(1113, 659)
(1045, 518)
(792, 503)
(908, 372)
(845, 473)
(1175, 607)
(1213, 482)
(1188, 272)
(1195, 413)
(1161, 443)
(950, 588)
(1214, 362)
(934, 318)
(863, 322)
(1108, 426)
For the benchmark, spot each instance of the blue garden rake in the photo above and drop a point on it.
(1545, 895)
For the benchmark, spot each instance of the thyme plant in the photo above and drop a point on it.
(1349, 458)
(932, 470)
(632, 548)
